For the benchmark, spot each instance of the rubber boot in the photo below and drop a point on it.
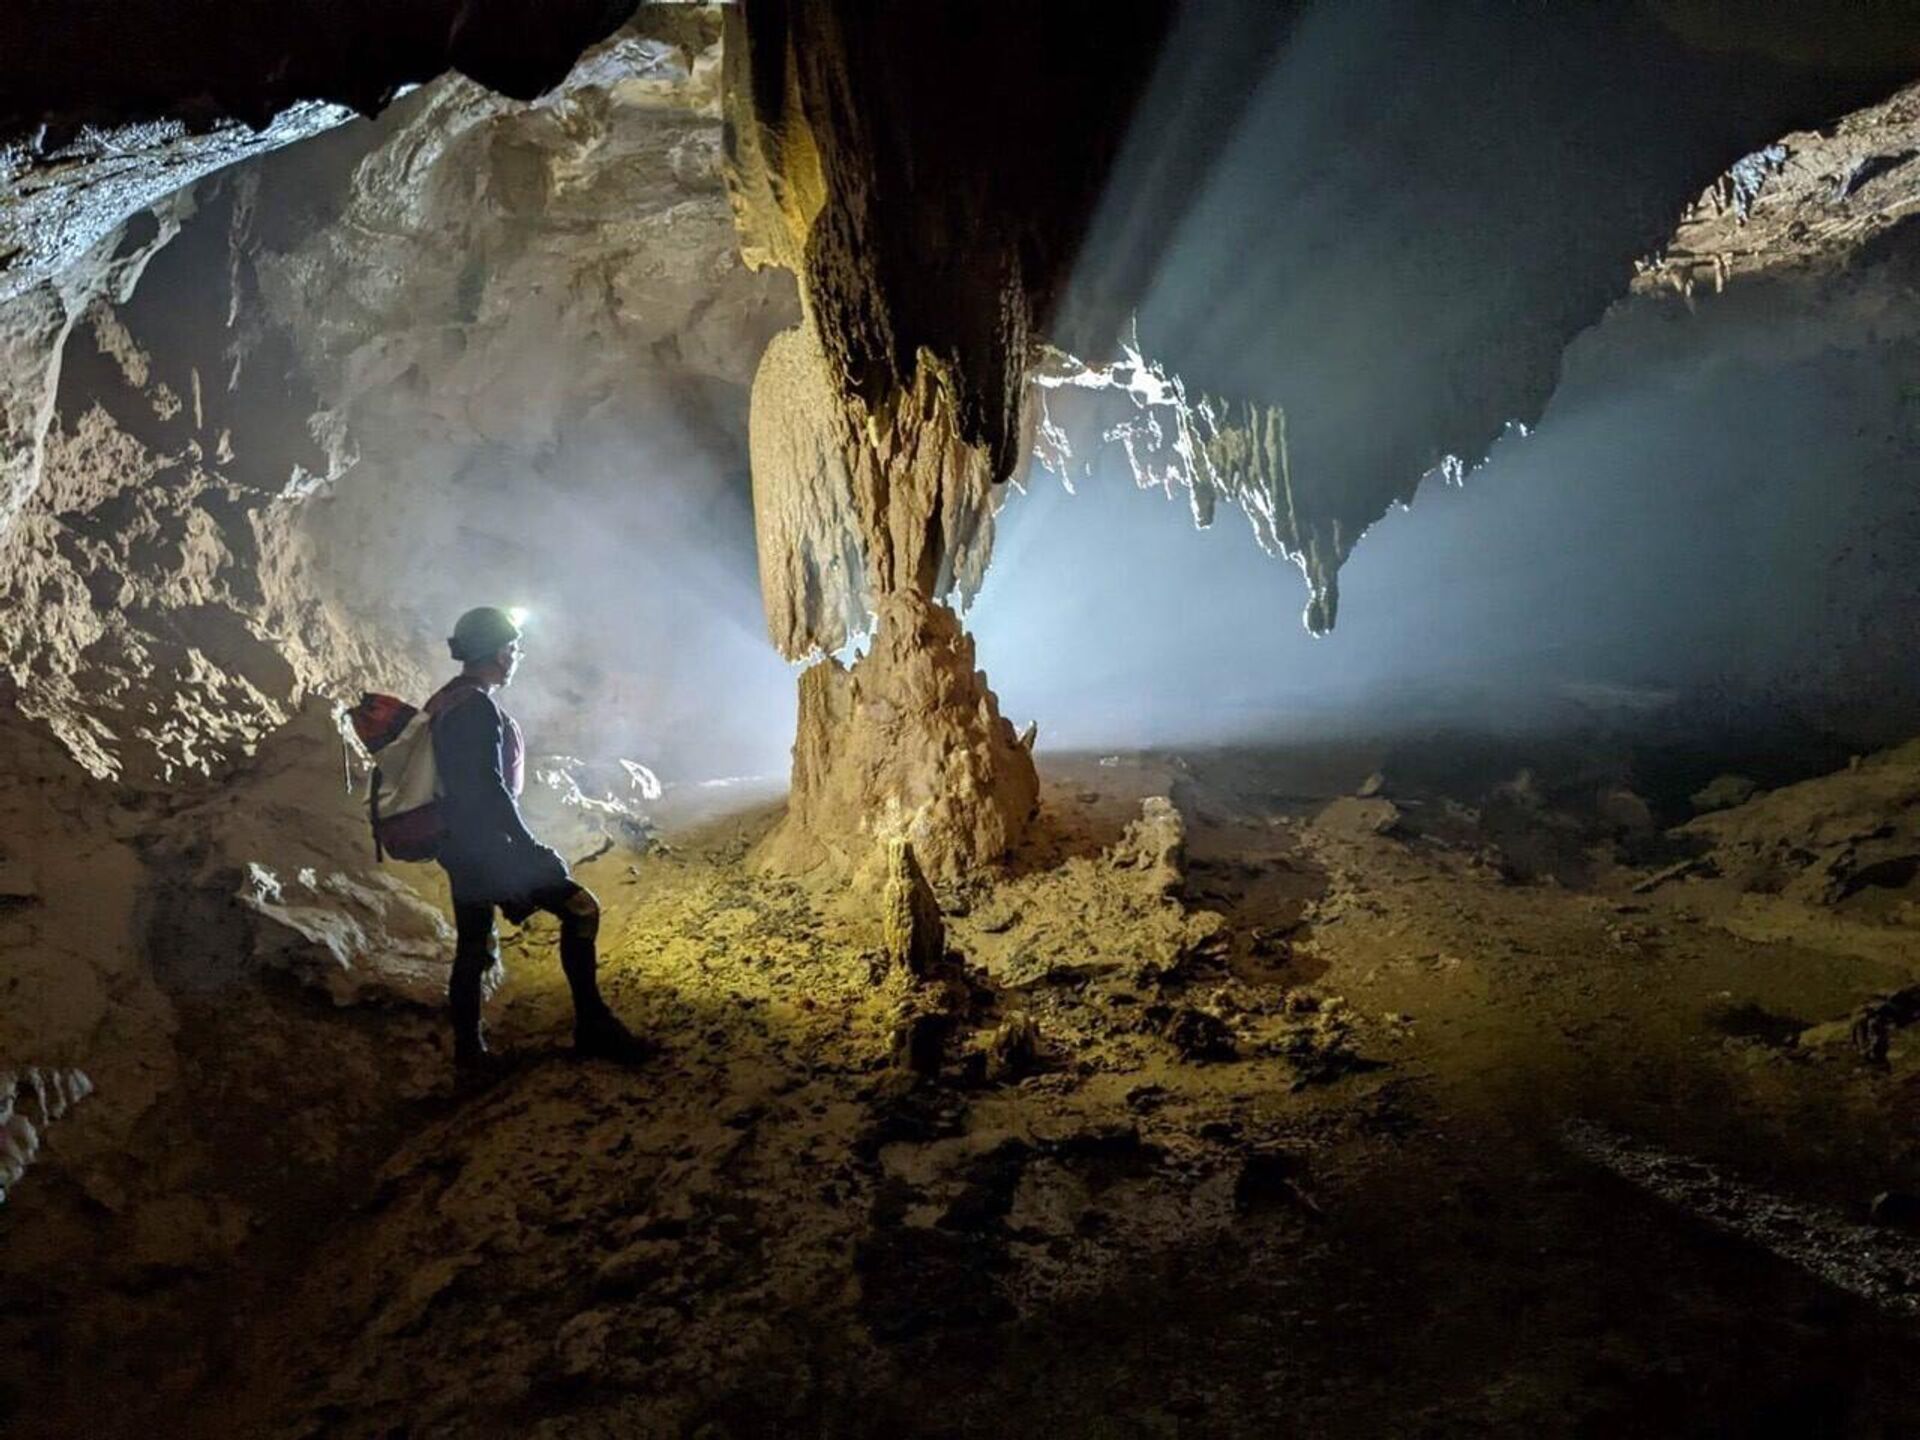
(597, 1031)
(471, 1056)
(598, 1034)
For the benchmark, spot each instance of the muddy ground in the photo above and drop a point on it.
(1425, 1098)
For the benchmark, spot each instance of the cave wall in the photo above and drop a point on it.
(462, 354)
(303, 413)
(530, 336)
(358, 384)
(107, 111)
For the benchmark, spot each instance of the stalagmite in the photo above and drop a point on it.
(912, 934)
(908, 742)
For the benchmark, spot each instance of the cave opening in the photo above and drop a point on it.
(1226, 691)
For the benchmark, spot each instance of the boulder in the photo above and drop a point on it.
(1723, 792)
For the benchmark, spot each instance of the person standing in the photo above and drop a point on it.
(493, 862)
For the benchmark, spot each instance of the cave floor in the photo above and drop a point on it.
(1399, 1145)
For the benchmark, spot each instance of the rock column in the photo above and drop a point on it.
(876, 471)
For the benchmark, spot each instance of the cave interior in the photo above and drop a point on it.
(1240, 680)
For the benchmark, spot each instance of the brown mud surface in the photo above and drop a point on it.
(1353, 1119)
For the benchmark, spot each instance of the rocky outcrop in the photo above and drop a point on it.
(150, 612)
(80, 216)
(461, 354)
(107, 115)
(1832, 863)
(1810, 205)
(105, 112)
(30, 1101)
(1154, 846)
(35, 324)
(67, 192)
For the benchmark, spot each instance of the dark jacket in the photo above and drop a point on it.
(489, 853)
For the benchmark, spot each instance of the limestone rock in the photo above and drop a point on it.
(97, 160)
(209, 482)
(68, 199)
(1012, 1050)
(813, 575)
(582, 808)
(276, 871)
(907, 742)
(886, 425)
(1832, 862)
(1200, 1035)
(31, 1099)
(1155, 845)
(86, 142)
(1724, 792)
(1807, 202)
(36, 321)
(361, 937)
(912, 934)
(1354, 818)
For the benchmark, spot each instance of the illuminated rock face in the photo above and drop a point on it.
(352, 374)
(109, 112)
(909, 743)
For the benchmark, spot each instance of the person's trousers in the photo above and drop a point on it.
(476, 949)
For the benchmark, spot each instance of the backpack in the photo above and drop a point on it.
(403, 793)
